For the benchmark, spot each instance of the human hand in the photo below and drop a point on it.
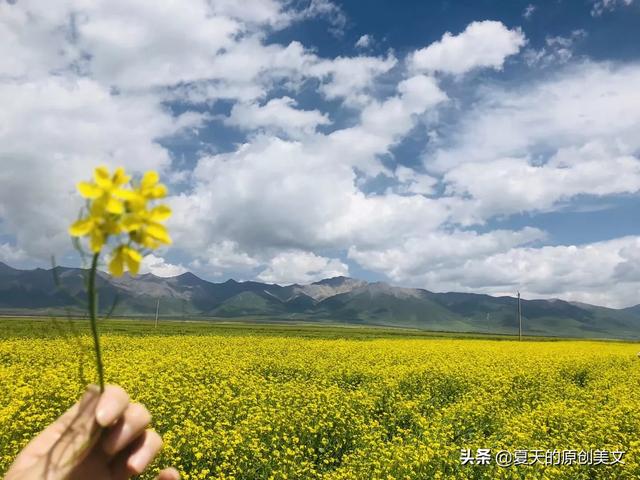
(102, 437)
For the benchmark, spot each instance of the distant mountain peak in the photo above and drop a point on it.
(188, 275)
(187, 279)
(329, 287)
(333, 281)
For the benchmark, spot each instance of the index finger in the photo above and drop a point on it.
(111, 406)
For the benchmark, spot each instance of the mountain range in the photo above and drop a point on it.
(334, 300)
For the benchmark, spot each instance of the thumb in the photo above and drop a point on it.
(77, 430)
(65, 443)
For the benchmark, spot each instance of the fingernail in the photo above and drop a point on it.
(106, 414)
(139, 461)
(103, 417)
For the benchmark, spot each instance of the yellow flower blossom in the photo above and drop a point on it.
(124, 255)
(105, 196)
(150, 188)
(105, 190)
(116, 207)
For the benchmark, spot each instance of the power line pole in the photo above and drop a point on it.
(157, 311)
(519, 318)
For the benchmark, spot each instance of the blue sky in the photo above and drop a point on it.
(471, 145)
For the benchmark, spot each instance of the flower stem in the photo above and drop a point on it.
(94, 322)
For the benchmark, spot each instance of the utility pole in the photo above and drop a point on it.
(157, 311)
(519, 318)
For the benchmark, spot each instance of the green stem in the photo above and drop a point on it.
(94, 321)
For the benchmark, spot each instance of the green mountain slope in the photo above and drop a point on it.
(338, 299)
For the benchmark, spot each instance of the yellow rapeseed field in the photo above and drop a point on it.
(289, 407)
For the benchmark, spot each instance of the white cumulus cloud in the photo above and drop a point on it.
(364, 41)
(481, 44)
(301, 267)
(160, 267)
(277, 115)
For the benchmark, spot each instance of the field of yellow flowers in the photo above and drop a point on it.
(280, 404)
